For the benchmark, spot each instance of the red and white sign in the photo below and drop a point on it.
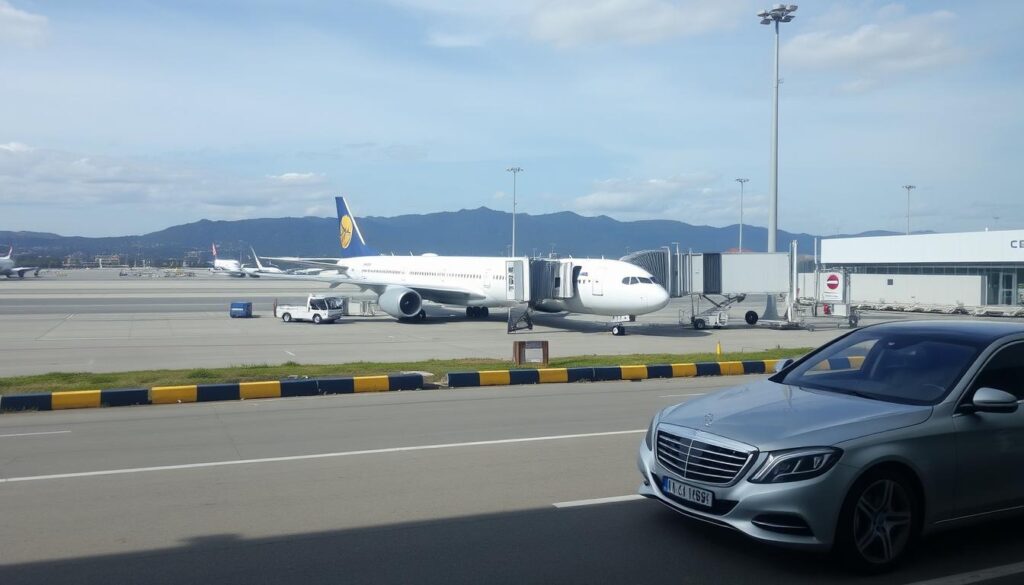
(833, 289)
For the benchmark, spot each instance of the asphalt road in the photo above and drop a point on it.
(445, 486)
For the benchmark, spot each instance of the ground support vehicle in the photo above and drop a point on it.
(318, 309)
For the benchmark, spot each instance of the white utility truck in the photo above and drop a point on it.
(318, 309)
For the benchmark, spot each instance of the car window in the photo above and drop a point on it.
(1005, 371)
(904, 368)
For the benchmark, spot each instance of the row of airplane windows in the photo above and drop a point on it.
(441, 274)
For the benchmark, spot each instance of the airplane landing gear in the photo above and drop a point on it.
(477, 312)
(422, 315)
(618, 329)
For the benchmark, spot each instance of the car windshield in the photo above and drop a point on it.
(904, 368)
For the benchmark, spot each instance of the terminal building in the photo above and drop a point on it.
(970, 268)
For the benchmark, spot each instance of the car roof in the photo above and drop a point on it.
(969, 330)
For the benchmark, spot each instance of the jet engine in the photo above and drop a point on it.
(400, 302)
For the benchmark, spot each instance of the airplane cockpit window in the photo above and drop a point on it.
(646, 280)
(625, 280)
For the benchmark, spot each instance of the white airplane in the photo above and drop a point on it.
(260, 268)
(226, 267)
(598, 287)
(8, 269)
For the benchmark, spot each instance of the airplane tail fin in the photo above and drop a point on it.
(257, 258)
(9, 252)
(213, 247)
(351, 239)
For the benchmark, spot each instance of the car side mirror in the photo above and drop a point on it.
(993, 400)
(782, 364)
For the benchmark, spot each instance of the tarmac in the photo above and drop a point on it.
(97, 321)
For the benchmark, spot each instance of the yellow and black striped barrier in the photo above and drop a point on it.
(608, 373)
(210, 392)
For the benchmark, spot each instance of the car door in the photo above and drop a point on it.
(990, 446)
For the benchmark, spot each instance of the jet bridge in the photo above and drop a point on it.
(552, 279)
(535, 280)
(730, 277)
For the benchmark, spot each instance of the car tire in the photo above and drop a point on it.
(317, 319)
(751, 317)
(879, 521)
(699, 324)
(287, 317)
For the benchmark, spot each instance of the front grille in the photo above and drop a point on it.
(697, 460)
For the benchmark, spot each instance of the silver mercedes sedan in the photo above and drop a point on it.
(887, 433)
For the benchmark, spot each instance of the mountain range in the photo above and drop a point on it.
(481, 231)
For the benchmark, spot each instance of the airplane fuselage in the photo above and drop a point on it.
(602, 287)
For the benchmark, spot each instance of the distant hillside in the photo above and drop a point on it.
(480, 231)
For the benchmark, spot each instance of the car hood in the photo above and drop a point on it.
(773, 416)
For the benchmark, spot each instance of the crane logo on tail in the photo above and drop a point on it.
(346, 231)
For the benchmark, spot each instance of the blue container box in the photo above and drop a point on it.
(241, 309)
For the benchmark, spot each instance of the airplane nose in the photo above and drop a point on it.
(660, 298)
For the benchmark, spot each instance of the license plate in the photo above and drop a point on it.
(692, 494)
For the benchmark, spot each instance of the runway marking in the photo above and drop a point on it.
(315, 456)
(289, 353)
(975, 576)
(678, 395)
(34, 434)
(598, 501)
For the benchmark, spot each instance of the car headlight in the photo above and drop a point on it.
(649, 437)
(796, 464)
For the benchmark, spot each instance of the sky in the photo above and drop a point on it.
(126, 120)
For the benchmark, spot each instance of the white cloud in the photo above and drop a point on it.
(299, 178)
(580, 22)
(895, 43)
(692, 198)
(455, 41)
(22, 28)
(567, 23)
(55, 178)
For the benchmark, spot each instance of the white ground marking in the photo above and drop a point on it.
(975, 576)
(678, 395)
(33, 434)
(289, 353)
(597, 501)
(314, 456)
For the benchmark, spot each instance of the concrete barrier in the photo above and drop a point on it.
(210, 392)
(607, 373)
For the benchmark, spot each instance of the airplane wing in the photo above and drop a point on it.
(22, 270)
(442, 295)
(323, 263)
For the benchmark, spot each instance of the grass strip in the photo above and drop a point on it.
(65, 381)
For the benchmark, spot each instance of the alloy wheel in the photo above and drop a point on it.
(882, 521)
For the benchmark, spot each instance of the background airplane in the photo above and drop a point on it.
(8, 269)
(225, 267)
(402, 283)
(260, 268)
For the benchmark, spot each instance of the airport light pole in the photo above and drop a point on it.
(515, 171)
(908, 188)
(775, 15)
(741, 182)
